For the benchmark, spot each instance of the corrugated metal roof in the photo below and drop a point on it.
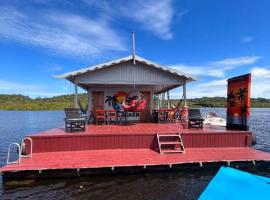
(124, 59)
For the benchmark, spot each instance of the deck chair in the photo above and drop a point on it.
(74, 120)
(195, 119)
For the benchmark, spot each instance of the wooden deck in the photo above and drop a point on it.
(131, 145)
(135, 136)
(132, 157)
(134, 128)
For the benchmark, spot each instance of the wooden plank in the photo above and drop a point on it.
(132, 157)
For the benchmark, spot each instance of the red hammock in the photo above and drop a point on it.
(136, 105)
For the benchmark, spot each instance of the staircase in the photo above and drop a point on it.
(170, 143)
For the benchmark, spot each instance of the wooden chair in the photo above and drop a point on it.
(74, 119)
(101, 115)
(195, 119)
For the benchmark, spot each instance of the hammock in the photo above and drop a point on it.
(134, 103)
(177, 107)
(83, 109)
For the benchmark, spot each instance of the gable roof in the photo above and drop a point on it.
(121, 60)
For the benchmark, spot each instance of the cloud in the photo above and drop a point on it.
(247, 39)
(57, 68)
(232, 62)
(260, 82)
(218, 87)
(10, 87)
(260, 72)
(61, 32)
(154, 16)
(216, 68)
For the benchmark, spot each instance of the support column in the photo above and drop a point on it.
(158, 103)
(152, 101)
(90, 106)
(185, 94)
(76, 96)
(168, 99)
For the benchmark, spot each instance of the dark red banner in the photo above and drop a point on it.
(238, 102)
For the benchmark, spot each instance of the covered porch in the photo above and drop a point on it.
(109, 83)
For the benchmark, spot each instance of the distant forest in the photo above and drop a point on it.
(20, 102)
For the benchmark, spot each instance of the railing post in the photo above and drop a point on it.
(31, 147)
(19, 152)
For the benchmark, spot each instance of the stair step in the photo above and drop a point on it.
(171, 151)
(170, 142)
(167, 135)
(177, 140)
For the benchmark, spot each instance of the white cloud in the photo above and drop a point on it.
(247, 39)
(57, 69)
(214, 83)
(154, 16)
(232, 62)
(218, 87)
(216, 68)
(260, 72)
(11, 87)
(219, 69)
(260, 82)
(61, 32)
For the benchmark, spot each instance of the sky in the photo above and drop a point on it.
(211, 40)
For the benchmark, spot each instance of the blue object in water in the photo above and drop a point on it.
(233, 184)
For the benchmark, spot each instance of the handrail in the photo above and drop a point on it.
(19, 152)
(23, 145)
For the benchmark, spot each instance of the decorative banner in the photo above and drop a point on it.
(116, 100)
(238, 102)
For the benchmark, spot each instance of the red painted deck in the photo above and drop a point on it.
(130, 128)
(134, 128)
(132, 157)
(133, 145)
(135, 136)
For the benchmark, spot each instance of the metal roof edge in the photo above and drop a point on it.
(124, 59)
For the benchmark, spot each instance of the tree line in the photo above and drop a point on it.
(21, 102)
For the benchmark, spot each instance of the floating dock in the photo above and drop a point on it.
(103, 149)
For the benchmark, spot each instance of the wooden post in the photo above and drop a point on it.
(89, 101)
(90, 106)
(76, 96)
(168, 100)
(152, 100)
(185, 94)
(158, 102)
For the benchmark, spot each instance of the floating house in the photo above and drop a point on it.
(122, 76)
(148, 137)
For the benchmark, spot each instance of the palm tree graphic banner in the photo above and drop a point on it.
(238, 102)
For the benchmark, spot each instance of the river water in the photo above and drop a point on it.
(14, 125)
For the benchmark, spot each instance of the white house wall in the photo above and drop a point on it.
(128, 73)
